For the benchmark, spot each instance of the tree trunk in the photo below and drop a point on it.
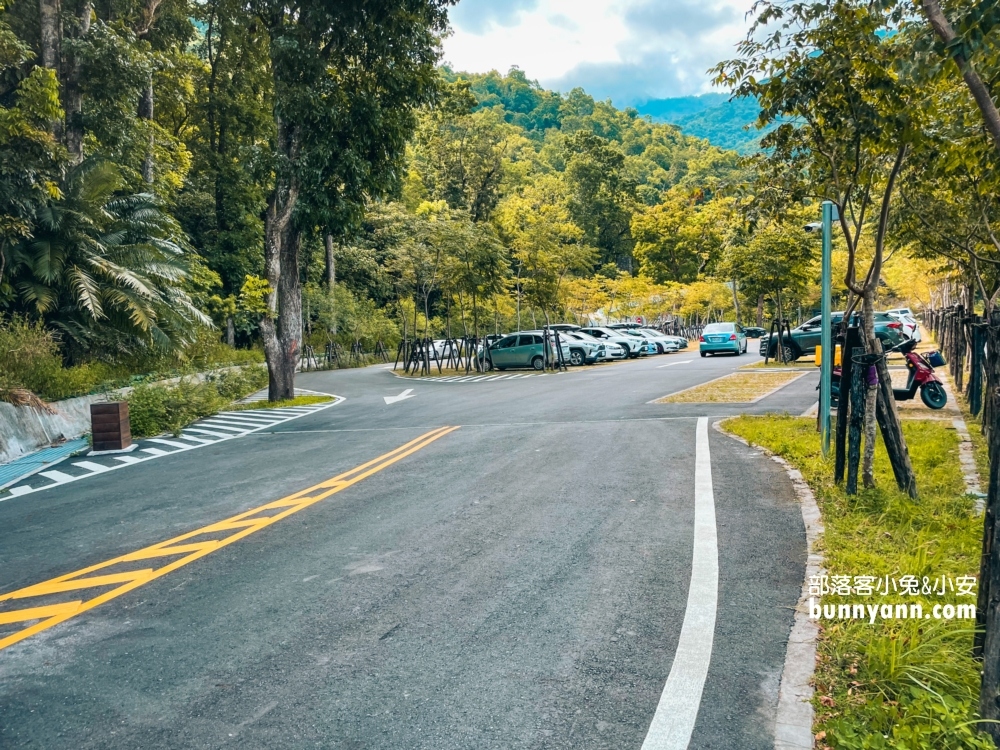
(73, 94)
(51, 34)
(290, 310)
(736, 301)
(230, 331)
(50, 28)
(146, 113)
(331, 262)
(980, 91)
(281, 327)
(760, 310)
(872, 346)
(868, 471)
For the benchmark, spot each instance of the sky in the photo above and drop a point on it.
(627, 50)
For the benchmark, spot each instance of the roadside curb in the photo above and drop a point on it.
(966, 453)
(794, 715)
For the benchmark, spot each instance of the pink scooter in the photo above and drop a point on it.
(921, 377)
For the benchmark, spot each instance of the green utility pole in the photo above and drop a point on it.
(826, 335)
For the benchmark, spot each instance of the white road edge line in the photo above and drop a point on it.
(674, 720)
(684, 362)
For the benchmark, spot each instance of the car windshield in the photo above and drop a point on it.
(720, 328)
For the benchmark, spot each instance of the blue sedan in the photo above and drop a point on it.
(722, 337)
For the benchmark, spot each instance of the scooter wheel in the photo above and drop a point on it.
(933, 395)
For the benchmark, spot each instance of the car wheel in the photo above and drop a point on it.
(659, 349)
(791, 353)
(704, 354)
(537, 363)
(576, 357)
(933, 396)
(487, 366)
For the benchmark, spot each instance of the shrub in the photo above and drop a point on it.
(30, 359)
(154, 409)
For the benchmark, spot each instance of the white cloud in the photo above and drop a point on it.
(628, 50)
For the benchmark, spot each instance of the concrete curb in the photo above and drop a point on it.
(966, 454)
(794, 716)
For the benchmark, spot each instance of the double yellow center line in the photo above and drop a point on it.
(47, 599)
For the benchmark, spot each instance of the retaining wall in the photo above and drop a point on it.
(24, 429)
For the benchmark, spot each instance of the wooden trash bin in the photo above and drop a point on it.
(110, 426)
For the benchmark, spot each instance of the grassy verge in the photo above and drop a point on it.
(155, 409)
(297, 401)
(800, 364)
(896, 683)
(739, 387)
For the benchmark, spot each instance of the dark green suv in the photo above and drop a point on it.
(806, 337)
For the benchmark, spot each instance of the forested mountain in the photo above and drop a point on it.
(723, 121)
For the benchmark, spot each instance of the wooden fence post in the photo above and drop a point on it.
(987, 639)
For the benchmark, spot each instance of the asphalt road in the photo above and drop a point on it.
(520, 582)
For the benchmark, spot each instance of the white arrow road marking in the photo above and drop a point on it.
(408, 393)
(682, 362)
(677, 711)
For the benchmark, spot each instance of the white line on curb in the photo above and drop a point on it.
(674, 720)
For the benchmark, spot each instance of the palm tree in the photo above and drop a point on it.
(105, 267)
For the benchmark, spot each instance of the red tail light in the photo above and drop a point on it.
(895, 325)
(732, 337)
(701, 339)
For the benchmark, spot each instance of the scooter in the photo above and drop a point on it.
(921, 376)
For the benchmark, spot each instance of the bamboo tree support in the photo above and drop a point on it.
(852, 344)
(859, 385)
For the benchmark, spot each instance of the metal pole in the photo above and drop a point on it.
(826, 334)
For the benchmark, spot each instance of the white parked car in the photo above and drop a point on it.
(583, 349)
(633, 345)
(910, 325)
(661, 342)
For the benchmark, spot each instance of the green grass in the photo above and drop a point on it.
(297, 401)
(907, 683)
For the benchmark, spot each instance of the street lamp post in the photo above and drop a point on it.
(826, 332)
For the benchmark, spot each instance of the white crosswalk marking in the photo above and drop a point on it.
(171, 443)
(55, 476)
(91, 466)
(210, 433)
(218, 428)
(228, 428)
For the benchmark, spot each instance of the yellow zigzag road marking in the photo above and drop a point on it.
(244, 524)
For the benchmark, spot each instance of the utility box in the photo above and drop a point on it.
(110, 426)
